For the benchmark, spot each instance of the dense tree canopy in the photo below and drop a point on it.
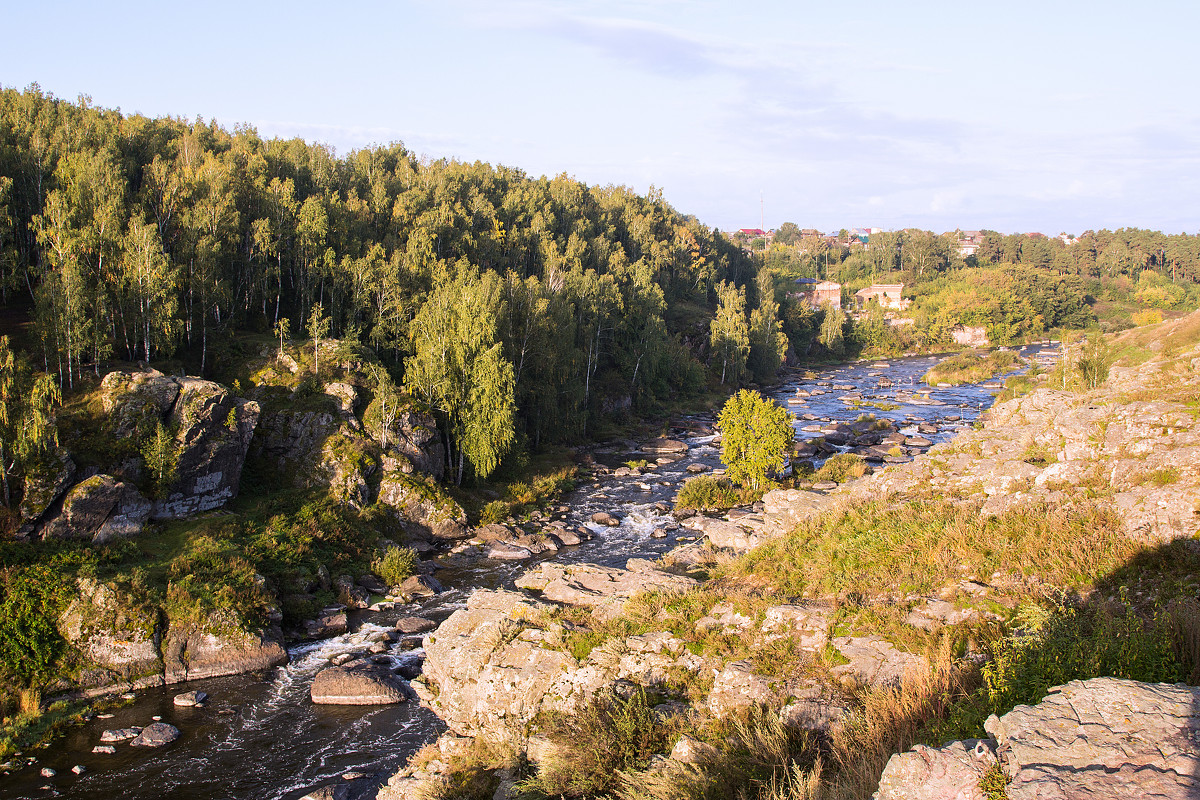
(135, 238)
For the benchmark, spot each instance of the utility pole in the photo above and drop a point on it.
(762, 216)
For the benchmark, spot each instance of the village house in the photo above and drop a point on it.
(969, 243)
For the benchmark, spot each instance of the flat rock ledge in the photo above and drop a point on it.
(1104, 737)
(605, 590)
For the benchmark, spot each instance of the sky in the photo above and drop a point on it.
(1015, 116)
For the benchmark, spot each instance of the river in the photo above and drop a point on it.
(260, 737)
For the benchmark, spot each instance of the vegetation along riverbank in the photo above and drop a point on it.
(248, 385)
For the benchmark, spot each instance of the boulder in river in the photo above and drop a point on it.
(219, 648)
(191, 699)
(664, 447)
(605, 518)
(506, 551)
(358, 683)
(411, 625)
(120, 734)
(331, 622)
(336, 791)
(156, 734)
(568, 535)
(421, 586)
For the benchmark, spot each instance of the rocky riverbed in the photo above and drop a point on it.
(264, 737)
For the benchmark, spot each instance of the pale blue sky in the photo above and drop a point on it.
(1017, 116)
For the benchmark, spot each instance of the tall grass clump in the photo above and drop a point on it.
(841, 467)
(921, 546)
(594, 744)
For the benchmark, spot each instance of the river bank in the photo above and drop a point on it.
(215, 744)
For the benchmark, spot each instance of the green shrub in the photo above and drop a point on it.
(396, 564)
(1067, 642)
(493, 512)
(707, 493)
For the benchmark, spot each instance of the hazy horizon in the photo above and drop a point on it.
(1052, 117)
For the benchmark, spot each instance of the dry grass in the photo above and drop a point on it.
(470, 774)
(889, 720)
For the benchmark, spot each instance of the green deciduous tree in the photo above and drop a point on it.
(458, 367)
(756, 435)
(729, 335)
(833, 336)
(387, 400)
(768, 344)
(161, 453)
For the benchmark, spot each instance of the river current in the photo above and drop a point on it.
(261, 738)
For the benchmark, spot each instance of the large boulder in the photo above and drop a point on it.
(420, 503)
(784, 509)
(218, 648)
(45, 481)
(482, 672)
(950, 773)
(117, 637)
(214, 432)
(156, 734)
(605, 590)
(136, 402)
(723, 534)
(1104, 737)
(358, 683)
(100, 508)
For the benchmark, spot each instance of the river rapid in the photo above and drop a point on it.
(261, 737)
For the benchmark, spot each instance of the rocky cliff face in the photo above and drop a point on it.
(332, 438)
(213, 434)
(210, 433)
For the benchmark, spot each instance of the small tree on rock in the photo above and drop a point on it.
(756, 435)
(283, 329)
(318, 329)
